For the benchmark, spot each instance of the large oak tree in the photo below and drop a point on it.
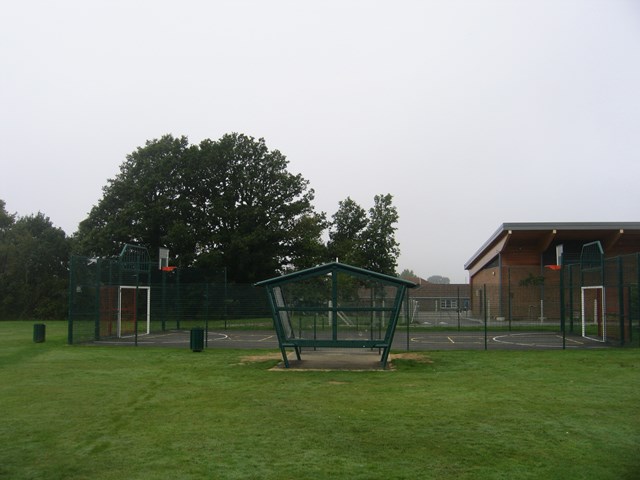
(229, 203)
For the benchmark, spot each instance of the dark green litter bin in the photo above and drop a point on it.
(39, 330)
(197, 339)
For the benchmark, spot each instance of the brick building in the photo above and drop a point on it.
(518, 266)
(438, 297)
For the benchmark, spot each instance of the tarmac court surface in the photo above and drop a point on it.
(413, 341)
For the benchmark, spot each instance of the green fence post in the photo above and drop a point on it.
(206, 318)
(458, 308)
(72, 289)
(407, 311)
(334, 305)
(637, 295)
(562, 308)
(135, 312)
(484, 307)
(509, 294)
(621, 300)
(163, 314)
(224, 302)
(178, 303)
(571, 298)
(96, 326)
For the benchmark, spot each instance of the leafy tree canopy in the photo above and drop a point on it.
(438, 279)
(228, 203)
(407, 274)
(366, 241)
(33, 267)
(346, 231)
(6, 219)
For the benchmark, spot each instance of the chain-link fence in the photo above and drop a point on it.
(577, 305)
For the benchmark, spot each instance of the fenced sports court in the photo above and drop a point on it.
(133, 300)
(131, 296)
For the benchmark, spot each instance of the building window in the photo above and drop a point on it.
(448, 304)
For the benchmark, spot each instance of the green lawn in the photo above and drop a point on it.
(89, 412)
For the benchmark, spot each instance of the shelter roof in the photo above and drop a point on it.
(336, 267)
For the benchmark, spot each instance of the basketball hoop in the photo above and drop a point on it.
(168, 269)
(553, 267)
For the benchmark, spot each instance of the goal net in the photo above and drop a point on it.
(594, 321)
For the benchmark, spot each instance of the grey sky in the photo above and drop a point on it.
(470, 113)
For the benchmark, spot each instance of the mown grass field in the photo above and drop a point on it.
(88, 412)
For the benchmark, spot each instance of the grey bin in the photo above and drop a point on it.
(39, 332)
(197, 339)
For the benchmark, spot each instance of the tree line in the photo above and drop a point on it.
(33, 267)
(229, 203)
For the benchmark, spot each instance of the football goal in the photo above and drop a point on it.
(594, 321)
(134, 310)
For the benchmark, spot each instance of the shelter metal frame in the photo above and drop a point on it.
(288, 296)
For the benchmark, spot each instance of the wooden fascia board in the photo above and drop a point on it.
(489, 254)
(546, 240)
(612, 239)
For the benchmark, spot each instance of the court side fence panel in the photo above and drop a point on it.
(579, 303)
(107, 301)
(601, 299)
(532, 306)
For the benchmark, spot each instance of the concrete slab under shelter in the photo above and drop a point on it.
(334, 359)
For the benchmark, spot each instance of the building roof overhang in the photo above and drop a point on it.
(544, 234)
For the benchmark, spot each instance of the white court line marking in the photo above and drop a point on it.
(439, 340)
(534, 341)
(573, 341)
(222, 336)
(246, 338)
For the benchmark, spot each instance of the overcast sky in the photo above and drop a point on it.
(470, 113)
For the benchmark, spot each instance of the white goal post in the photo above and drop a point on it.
(128, 309)
(594, 316)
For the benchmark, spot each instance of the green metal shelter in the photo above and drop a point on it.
(335, 305)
